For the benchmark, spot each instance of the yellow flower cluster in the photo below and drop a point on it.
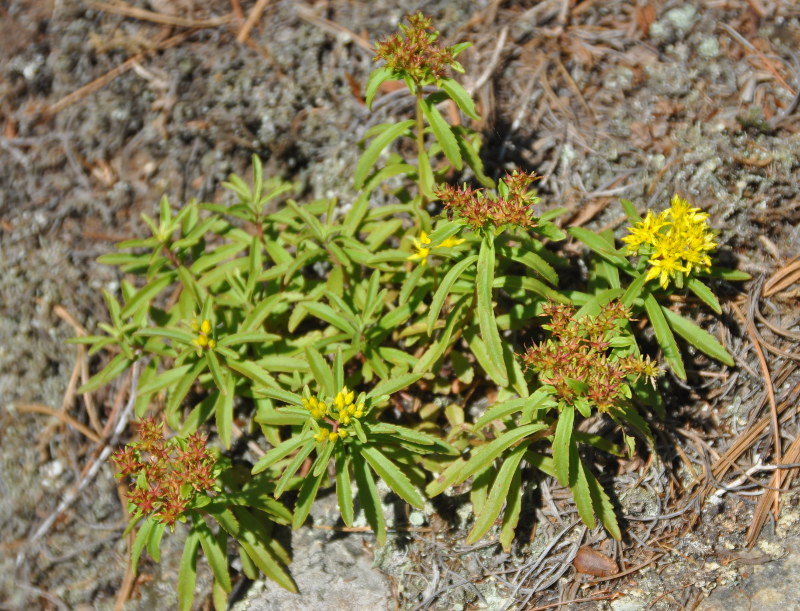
(203, 339)
(424, 248)
(339, 413)
(677, 241)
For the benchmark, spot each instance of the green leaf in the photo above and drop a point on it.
(179, 335)
(732, 275)
(309, 220)
(368, 497)
(480, 352)
(223, 410)
(561, 444)
(425, 170)
(268, 386)
(664, 336)
(154, 541)
(388, 387)
(395, 478)
(512, 512)
(140, 541)
(532, 261)
(279, 452)
(634, 290)
(441, 130)
(498, 494)
(216, 371)
(444, 289)
(370, 156)
(294, 465)
(538, 400)
(600, 246)
(471, 154)
(485, 455)
(704, 293)
(580, 489)
(216, 553)
(602, 506)
(215, 258)
(179, 391)
(255, 541)
(376, 78)
(437, 348)
(187, 575)
(460, 96)
(343, 488)
(697, 337)
(321, 371)
(305, 498)
(488, 326)
(145, 294)
(630, 210)
(115, 367)
(326, 313)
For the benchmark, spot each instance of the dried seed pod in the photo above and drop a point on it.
(592, 562)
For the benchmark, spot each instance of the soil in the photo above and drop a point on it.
(104, 109)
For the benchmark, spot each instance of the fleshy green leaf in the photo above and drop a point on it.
(216, 554)
(187, 575)
(444, 289)
(498, 494)
(395, 478)
(602, 506)
(664, 336)
(344, 492)
(368, 497)
(370, 156)
(145, 294)
(580, 489)
(488, 326)
(277, 453)
(460, 96)
(485, 455)
(305, 498)
(388, 387)
(704, 293)
(140, 541)
(561, 444)
(376, 78)
(442, 131)
(697, 337)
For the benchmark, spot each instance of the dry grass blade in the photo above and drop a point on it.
(145, 15)
(780, 481)
(783, 278)
(109, 76)
(37, 408)
(252, 19)
(306, 14)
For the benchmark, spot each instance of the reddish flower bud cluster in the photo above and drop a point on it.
(577, 362)
(168, 473)
(415, 52)
(513, 205)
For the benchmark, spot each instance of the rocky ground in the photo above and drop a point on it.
(105, 107)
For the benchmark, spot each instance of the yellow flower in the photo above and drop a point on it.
(678, 240)
(203, 339)
(422, 246)
(451, 242)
